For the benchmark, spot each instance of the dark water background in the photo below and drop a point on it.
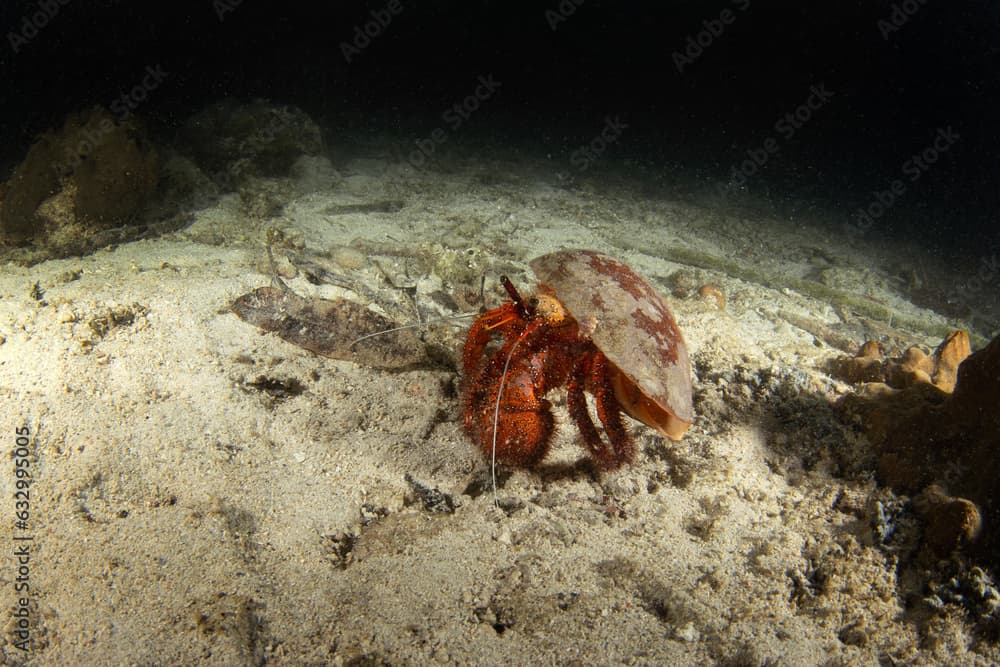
(880, 116)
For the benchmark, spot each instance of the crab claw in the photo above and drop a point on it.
(522, 437)
(524, 424)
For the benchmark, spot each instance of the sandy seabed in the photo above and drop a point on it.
(205, 493)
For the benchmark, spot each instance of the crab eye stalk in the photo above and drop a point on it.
(525, 311)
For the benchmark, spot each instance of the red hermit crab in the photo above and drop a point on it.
(595, 326)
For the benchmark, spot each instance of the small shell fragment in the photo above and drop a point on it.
(712, 291)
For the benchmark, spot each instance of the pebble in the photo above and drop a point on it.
(347, 258)
(686, 633)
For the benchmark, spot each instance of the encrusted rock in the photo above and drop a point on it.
(865, 366)
(911, 368)
(94, 174)
(950, 522)
(232, 141)
(949, 355)
(942, 441)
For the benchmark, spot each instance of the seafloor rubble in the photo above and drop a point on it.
(102, 179)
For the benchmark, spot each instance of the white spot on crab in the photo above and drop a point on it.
(588, 325)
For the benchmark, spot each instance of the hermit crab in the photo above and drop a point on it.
(594, 326)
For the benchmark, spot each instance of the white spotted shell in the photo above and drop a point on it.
(630, 324)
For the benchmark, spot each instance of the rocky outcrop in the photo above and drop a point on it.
(936, 422)
(92, 175)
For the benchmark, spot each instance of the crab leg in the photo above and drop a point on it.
(609, 411)
(591, 373)
(480, 335)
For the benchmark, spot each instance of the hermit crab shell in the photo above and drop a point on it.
(631, 325)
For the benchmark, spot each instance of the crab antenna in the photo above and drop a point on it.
(496, 410)
(415, 325)
(523, 310)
